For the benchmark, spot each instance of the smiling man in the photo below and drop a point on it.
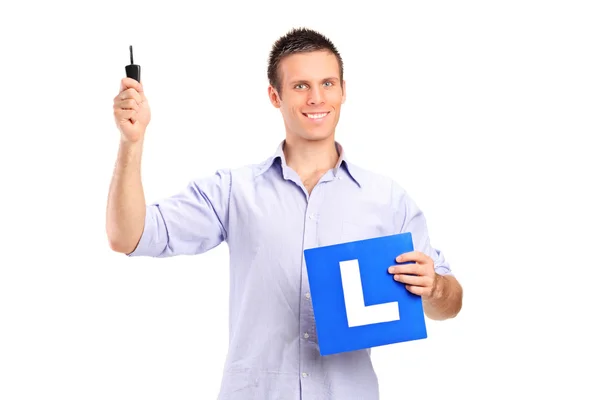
(307, 194)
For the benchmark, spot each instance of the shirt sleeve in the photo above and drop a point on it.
(190, 222)
(411, 219)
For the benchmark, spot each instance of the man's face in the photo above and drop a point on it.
(311, 95)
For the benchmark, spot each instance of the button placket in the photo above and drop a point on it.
(307, 331)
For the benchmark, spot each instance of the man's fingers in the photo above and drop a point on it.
(418, 290)
(129, 94)
(129, 104)
(414, 256)
(124, 115)
(413, 269)
(130, 83)
(411, 279)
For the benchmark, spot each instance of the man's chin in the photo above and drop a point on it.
(316, 135)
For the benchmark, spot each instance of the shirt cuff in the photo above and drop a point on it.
(144, 247)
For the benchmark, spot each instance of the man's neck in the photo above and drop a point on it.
(310, 157)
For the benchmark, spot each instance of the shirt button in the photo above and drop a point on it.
(311, 216)
(304, 374)
(307, 295)
(306, 335)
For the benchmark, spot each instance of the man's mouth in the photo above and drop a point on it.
(316, 116)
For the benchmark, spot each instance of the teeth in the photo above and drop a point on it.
(316, 116)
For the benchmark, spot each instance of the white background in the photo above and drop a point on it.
(486, 112)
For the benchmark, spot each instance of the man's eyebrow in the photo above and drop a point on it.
(332, 78)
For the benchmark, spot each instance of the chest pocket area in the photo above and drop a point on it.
(353, 230)
(345, 225)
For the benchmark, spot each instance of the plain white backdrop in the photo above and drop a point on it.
(486, 112)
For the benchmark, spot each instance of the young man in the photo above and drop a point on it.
(306, 195)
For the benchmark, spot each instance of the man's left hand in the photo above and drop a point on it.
(420, 278)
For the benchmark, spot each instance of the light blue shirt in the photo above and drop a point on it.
(267, 218)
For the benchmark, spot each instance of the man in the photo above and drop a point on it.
(306, 195)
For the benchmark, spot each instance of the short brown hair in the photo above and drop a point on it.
(298, 40)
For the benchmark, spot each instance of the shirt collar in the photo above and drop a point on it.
(343, 162)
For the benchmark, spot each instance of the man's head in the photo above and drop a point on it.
(306, 83)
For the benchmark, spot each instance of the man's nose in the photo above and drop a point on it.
(315, 96)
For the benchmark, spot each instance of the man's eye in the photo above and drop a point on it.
(329, 83)
(299, 86)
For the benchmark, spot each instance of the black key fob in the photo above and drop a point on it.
(132, 70)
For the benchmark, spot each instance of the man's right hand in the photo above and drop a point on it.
(131, 110)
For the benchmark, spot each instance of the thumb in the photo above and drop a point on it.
(127, 83)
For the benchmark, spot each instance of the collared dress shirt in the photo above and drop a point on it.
(267, 218)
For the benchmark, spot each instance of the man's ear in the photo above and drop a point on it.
(343, 91)
(274, 97)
